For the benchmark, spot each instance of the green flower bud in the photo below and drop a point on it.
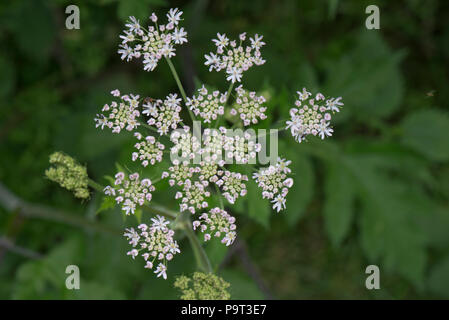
(202, 286)
(69, 174)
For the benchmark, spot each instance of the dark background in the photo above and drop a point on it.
(375, 193)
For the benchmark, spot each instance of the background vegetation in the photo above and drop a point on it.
(375, 193)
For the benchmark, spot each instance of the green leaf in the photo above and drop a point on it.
(368, 78)
(258, 209)
(301, 193)
(242, 287)
(425, 132)
(7, 76)
(438, 282)
(106, 204)
(339, 202)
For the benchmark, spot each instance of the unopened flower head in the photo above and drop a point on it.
(249, 106)
(235, 58)
(149, 150)
(207, 105)
(130, 191)
(312, 116)
(69, 174)
(164, 115)
(275, 183)
(202, 286)
(120, 115)
(154, 243)
(217, 223)
(154, 42)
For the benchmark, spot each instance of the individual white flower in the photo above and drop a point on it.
(234, 74)
(161, 270)
(120, 115)
(179, 36)
(278, 203)
(217, 223)
(174, 16)
(334, 104)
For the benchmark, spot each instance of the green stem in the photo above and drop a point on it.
(94, 185)
(228, 94)
(201, 258)
(180, 87)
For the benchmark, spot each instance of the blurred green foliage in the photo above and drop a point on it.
(375, 193)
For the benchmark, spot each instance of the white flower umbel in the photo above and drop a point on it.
(312, 116)
(233, 184)
(130, 191)
(217, 223)
(164, 115)
(207, 105)
(193, 197)
(119, 115)
(249, 107)
(235, 58)
(179, 174)
(149, 150)
(154, 42)
(154, 243)
(274, 183)
(186, 146)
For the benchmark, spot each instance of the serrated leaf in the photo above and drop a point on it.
(425, 132)
(368, 77)
(339, 201)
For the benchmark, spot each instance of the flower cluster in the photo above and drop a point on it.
(217, 223)
(249, 106)
(184, 143)
(312, 115)
(179, 174)
(208, 105)
(241, 147)
(121, 115)
(274, 183)
(130, 191)
(193, 197)
(233, 58)
(233, 184)
(153, 43)
(202, 286)
(149, 151)
(69, 174)
(153, 243)
(164, 114)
